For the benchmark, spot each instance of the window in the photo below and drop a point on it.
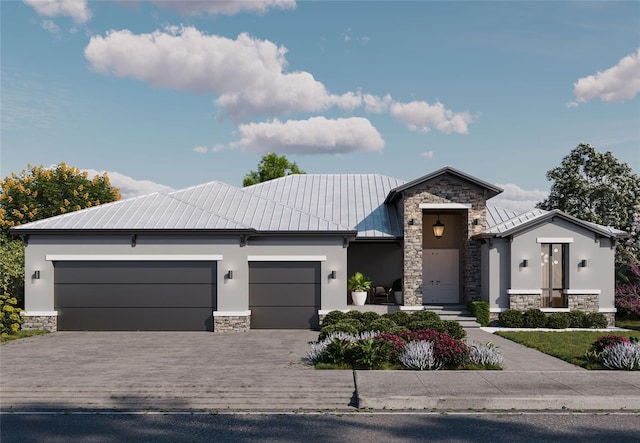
(553, 261)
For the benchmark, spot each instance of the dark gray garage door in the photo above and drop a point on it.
(135, 295)
(284, 295)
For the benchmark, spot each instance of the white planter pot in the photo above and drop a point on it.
(359, 297)
(397, 295)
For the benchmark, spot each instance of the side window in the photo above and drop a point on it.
(553, 264)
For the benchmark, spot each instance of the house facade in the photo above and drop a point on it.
(278, 254)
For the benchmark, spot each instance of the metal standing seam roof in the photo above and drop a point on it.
(353, 200)
(522, 221)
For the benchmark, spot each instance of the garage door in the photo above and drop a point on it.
(135, 295)
(284, 295)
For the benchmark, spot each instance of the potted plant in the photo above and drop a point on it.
(396, 287)
(359, 285)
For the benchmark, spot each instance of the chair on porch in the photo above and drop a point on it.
(380, 294)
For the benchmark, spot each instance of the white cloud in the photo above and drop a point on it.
(130, 187)
(215, 148)
(428, 154)
(201, 149)
(375, 104)
(421, 116)
(316, 135)
(76, 9)
(620, 82)
(51, 27)
(221, 7)
(517, 199)
(248, 74)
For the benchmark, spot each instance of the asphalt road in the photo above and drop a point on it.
(357, 427)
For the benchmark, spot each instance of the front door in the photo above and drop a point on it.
(440, 278)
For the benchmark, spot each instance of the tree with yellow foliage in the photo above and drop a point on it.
(38, 193)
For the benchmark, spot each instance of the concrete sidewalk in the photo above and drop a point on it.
(530, 380)
(264, 370)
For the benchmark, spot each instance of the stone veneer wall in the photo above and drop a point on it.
(444, 190)
(231, 323)
(45, 322)
(522, 302)
(583, 302)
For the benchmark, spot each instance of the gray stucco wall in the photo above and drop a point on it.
(498, 278)
(599, 273)
(232, 294)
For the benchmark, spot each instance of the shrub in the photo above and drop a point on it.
(10, 319)
(627, 295)
(596, 320)
(418, 324)
(367, 318)
(622, 356)
(348, 326)
(425, 315)
(370, 353)
(448, 350)
(395, 344)
(401, 318)
(480, 309)
(382, 325)
(511, 318)
(558, 320)
(485, 355)
(336, 350)
(606, 341)
(534, 318)
(420, 355)
(333, 317)
(577, 319)
(454, 329)
(355, 315)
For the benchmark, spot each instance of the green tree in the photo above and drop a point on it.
(38, 193)
(271, 166)
(597, 187)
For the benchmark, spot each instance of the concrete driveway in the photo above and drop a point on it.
(260, 369)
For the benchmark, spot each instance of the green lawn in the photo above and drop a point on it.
(569, 346)
(628, 324)
(21, 334)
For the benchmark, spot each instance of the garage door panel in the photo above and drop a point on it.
(294, 317)
(135, 272)
(278, 272)
(131, 319)
(122, 295)
(135, 295)
(284, 294)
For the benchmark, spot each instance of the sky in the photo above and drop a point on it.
(165, 94)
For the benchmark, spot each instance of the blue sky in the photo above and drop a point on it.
(173, 94)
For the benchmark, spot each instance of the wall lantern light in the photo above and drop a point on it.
(333, 275)
(230, 275)
(583, 263)
(36, 275)
(525, 263)
(438, 228)
(412, 222)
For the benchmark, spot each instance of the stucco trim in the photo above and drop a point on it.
(39, 313)
(582, 291)
(524, 291)
(554, 240)
(232, 313)
(444, 205)
(608, 310)
(555, 309)
(287, 258)
(136, 257)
